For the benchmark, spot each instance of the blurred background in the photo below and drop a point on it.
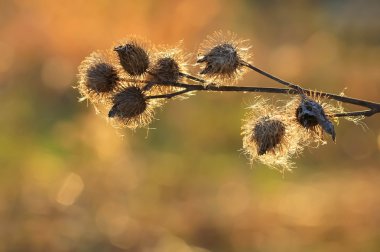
(70, 182)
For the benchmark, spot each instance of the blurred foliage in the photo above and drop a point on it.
(70, 182)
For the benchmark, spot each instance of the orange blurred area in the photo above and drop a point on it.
(71, 182)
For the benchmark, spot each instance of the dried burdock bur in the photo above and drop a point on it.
(133, 57)
(130, 108)
(168, 66)
(98, 77)
(128, 103)
(166, 70)
(270, 136)
(222, 59)
(310, 114)
(222, 56)
(267, 134)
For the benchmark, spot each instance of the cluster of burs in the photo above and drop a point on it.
(133, 78)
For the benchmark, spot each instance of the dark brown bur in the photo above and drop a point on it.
(166, 70)
(267, 134)
(305, 115)
(311, 115)
(222, 59)
(128, 104)
(102, 77)
(133, 58)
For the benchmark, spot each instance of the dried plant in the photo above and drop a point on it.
(271, 136)
(133, 78)
(223, 57)
(98, 77)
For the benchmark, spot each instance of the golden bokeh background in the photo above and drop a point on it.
(70, 182)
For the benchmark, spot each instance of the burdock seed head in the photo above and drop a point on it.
(222, 56)
(166, 69)
(168, 66)
(311, 115)
(97, 77)
(133, 57)
(270, 136)
(267, 133)
(130, 108)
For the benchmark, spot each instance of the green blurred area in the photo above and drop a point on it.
(70, 182)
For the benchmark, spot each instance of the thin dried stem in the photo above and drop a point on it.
(190, 77)
(365, 113)
(374, 107)
(270, 76)
(169, 96)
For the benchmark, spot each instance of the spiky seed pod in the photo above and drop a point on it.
(133, 57)
(222, 59)
(131, 108)
(166, 69)
(168, 66)
(97, 77)
(311, 115)
(267, 134)
(128, 103)
(222, 55)
(270, 136)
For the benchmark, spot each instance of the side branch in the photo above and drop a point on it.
(374, 107)
(168, 96)
(367, 104)
(270, 76)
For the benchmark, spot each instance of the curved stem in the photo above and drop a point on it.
(365, 113)
(374, 108)
(168, 96)
(190, 77)
(270, 76)
(371, 105)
